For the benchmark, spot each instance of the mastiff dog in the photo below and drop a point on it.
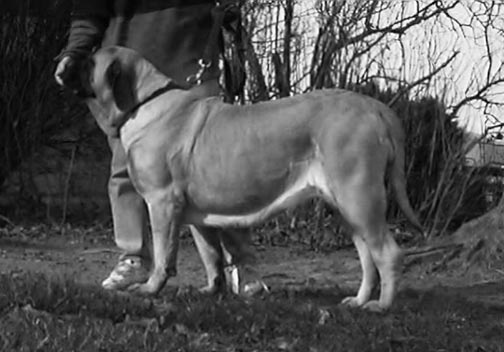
(203, 162)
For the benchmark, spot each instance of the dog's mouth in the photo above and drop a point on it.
(84, 90)
(84, 94)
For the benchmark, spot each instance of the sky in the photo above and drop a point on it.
(468, 71)
(429, 44)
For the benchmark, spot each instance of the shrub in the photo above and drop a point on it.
(33, 107)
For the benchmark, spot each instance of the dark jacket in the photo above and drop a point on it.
(172, 34)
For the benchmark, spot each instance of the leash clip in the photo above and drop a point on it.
(197, 78)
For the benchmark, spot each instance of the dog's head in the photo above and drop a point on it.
(115, 81)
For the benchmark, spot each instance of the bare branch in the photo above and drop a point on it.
(399, 27)
(421, 80)
(479, 95)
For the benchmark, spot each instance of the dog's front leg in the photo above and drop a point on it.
(165, 212)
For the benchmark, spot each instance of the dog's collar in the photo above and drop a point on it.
(169, 86)
(127, 114)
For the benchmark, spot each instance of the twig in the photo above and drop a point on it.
(7, 220)
(67, 187)
(479, 95)
(94, 251)
(426, 251)
(421, 80)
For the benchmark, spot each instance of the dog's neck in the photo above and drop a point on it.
(131, 112)
(169, 86)
(148, 115)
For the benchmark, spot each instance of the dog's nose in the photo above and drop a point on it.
(84, 89)
(84, 94)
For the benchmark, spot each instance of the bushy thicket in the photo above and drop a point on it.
(441, 188)
(33, 107)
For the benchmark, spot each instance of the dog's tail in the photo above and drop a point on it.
(396, 173)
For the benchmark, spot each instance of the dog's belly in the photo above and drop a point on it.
(310, 184)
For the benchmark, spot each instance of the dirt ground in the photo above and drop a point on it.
(51, 300)
(87, 261)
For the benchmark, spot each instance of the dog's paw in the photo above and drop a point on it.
(375, 307)
(144, 289)
(352, 302)
(209, 290)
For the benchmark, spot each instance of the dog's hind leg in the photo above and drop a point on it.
(363, 204)
(369, 274)
(209, 248)
(388, 259)
(221, 250)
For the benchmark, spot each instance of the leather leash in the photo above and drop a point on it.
(218, 14)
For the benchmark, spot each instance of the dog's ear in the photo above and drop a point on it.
(122, 81)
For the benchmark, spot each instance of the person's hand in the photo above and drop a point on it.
(68, 74)
(63, 70)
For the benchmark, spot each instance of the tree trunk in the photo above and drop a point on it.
(258, 89)
(286, 65)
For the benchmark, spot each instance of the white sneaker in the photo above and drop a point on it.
(130, 270)
(233, 282)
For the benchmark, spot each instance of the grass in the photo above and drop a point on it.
(40, 313)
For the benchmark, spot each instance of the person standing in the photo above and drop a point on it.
(173, 36)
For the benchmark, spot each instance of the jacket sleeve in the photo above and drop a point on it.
(89, 20)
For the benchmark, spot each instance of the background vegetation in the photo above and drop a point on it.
(289, 47)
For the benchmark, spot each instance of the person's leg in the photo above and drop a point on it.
(240, 261)
(129, 215)
(209, 248)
